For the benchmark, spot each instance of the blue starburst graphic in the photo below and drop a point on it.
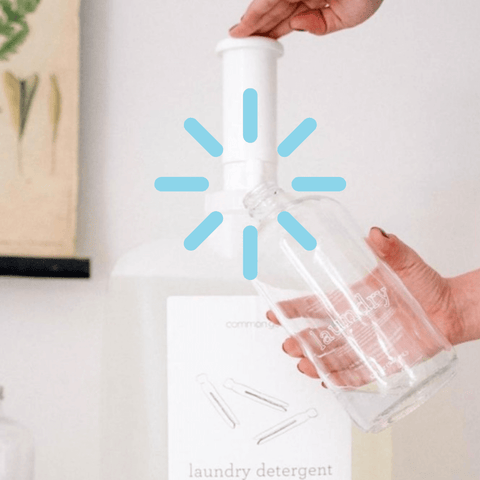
(299, 184)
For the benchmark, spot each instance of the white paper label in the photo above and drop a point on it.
(238, 407)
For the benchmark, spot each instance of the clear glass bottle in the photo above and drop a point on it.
(16, 449)
(368, 338)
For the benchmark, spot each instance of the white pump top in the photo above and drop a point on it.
(247, 63)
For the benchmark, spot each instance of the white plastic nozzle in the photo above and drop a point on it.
(249, 63)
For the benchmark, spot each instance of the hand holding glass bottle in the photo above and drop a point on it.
(366, 335)
(452, 304)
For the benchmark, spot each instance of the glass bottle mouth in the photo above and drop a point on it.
(264, 199)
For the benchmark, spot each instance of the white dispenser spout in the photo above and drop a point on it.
(249, 63)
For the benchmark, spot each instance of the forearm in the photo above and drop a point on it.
(466, 293)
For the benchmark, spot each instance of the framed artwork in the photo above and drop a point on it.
(39, 106)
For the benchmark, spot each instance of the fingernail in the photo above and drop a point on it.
(299, 369)
(382, 232)
(236, 25)
(269, 315)
(299, 30)
(283, 347)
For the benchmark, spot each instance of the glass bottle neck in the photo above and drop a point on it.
(266, 199)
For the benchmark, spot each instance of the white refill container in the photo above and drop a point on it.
(135, 398)
(134, 415)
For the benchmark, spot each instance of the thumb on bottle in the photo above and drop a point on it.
(393, 251)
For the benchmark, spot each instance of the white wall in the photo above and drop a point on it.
(397, 102)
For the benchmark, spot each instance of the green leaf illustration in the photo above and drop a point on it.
(20, 93)
(14, 27)
(6, 28)
(55, 105)
(10, 46)
(12, 91)
(27, 6)
(55, 112)
(12, 15)
(28, 87)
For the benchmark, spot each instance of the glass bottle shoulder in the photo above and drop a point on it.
(305, 207)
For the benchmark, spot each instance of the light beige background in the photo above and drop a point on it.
(37, 209)
(397, 102)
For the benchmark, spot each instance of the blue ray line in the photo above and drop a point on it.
(203, 137)
(203, 231)
(297, 137)
(297, 230)
(319, 184)
(250, 115)
(250, 252)
(181, 184)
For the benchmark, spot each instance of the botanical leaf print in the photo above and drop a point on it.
(13, 26)
(20, 93)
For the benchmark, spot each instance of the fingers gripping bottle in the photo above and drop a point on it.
(368, 338)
